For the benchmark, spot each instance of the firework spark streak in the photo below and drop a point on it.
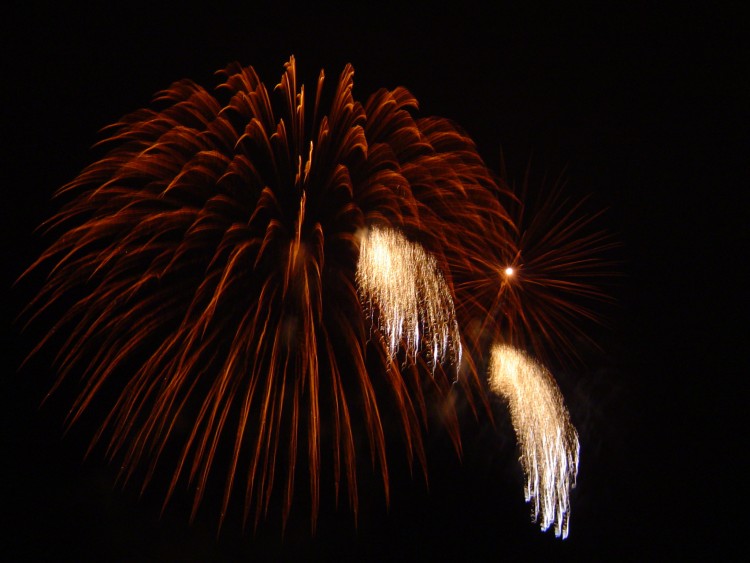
(400, 281)
(548, 442)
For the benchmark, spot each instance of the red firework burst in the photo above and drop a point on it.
(215, 249)
(538, 289)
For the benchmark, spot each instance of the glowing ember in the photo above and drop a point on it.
(407, 297)
(548, 441)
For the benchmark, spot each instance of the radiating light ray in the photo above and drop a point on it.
(406, 296)
(547, 439)
(545, 287)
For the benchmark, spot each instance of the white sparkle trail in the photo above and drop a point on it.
(403, 290)
(547, 439)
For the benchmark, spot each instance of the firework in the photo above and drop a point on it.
(548, 442)
(542, 287)
(401, 281)
(207, 268)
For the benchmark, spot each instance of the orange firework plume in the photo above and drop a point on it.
(213, 254)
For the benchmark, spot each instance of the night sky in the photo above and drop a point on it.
(646, 111)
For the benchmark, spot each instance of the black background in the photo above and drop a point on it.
(647, 109)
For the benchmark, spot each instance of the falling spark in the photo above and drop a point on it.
(547, 439)
(401, 285)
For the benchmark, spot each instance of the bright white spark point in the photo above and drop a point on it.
(509, 271)
(547, 439)
(402, 282)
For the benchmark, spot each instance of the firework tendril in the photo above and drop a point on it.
(255, 262)
(548, 442)
(402, 282)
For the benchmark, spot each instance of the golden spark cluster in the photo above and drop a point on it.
(547, 439)
(407, 297)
